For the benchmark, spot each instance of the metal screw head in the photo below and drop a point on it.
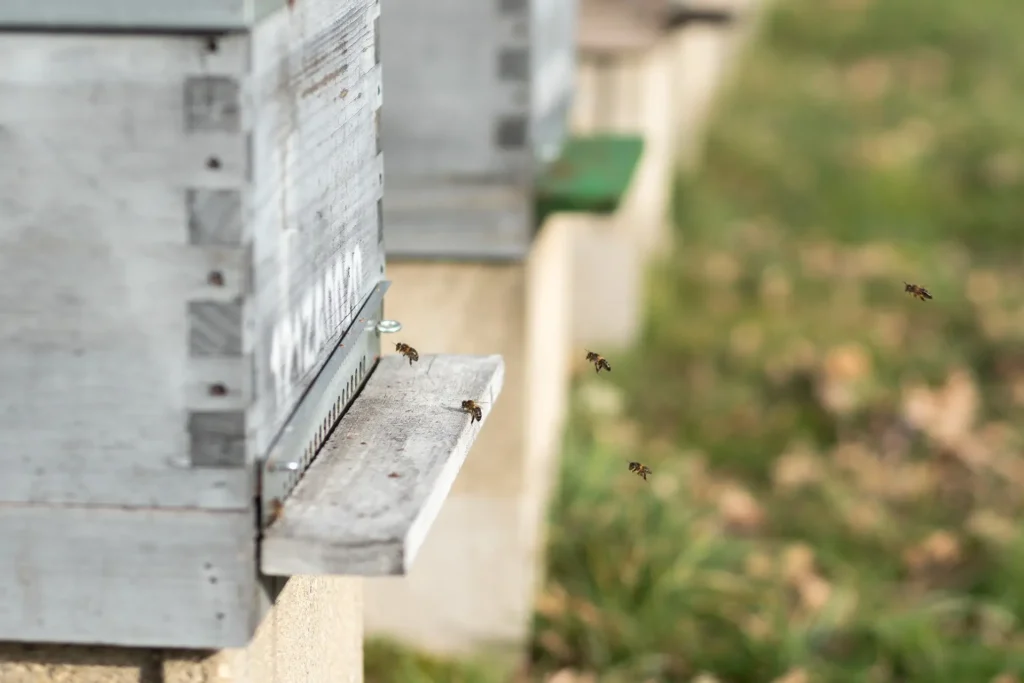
(389, 326)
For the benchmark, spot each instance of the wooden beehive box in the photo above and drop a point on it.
(478, 99)
(189, 223)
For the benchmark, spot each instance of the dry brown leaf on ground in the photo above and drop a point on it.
(869, 79)
(794, 676)
(797, 468)
(797, 562)
(814, 592)
(571, 676)
(990, 526)
(739, 509)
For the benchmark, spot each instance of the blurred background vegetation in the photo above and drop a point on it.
(838, 479)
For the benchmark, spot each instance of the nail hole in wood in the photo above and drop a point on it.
(218, 389)
(215, 278)
(213, 163)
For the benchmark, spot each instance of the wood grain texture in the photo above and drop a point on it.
(459, 71)
(349, 515)
(138, 578)
(213, 103)
(215, 329)
(166, 208)
(98, 320)
(214, 216)
(316, 184)
(184, 15)
(460, 221)
(98, 270)
(553, 62)
(445, 90)
(478, 98)
(217, 439)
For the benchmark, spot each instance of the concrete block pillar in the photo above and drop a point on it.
(473, 583)
(313, 634)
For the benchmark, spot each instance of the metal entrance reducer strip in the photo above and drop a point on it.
(326, 400)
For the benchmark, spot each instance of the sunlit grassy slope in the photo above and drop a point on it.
(838, 472)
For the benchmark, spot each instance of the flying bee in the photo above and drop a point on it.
(407, 351)
(917, 292)
(476, 414)
(639, 470)
(599, 361)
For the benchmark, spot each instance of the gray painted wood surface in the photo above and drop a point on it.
(458, 221)
(100, 274)
(460, 73)
(183, 15)
(478, 99)
(187, 227)
(110, 333)
(317, 179)
(446, 97)
(553, 61)
(368, 500)
(160, 578)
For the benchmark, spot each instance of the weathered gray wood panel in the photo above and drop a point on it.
(184, 15)
(101, 316)
(127, 577)
(448, 220)
(476, 89)
(371, 495)
(95, 163)
(187, 225)
(478, 99)
(447, 97)
(317, 180)
(553, 61)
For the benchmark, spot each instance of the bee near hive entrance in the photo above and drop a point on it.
(476, 413)
(917, 292)
(640, 470)
(407, 351)
(599, 361)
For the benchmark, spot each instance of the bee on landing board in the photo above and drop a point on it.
(476, 414)
(639, 470)
(276, 508)
(407, 351)
(917, 292)
(599, 361)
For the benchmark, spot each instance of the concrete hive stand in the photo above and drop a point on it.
(474, 581)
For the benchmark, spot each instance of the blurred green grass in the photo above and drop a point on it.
(837, 466)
